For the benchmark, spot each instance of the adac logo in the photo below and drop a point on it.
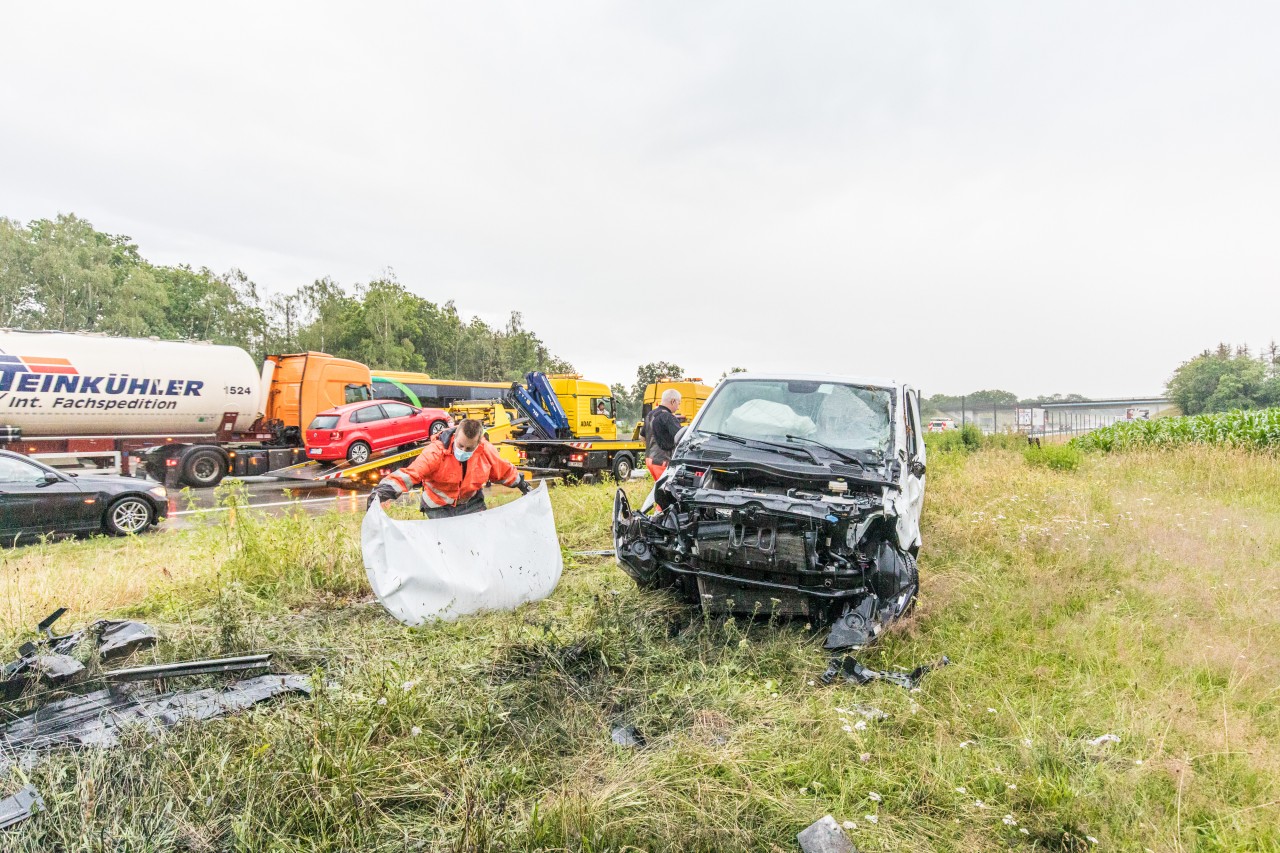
(35, 364)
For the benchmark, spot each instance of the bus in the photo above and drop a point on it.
(421, 390)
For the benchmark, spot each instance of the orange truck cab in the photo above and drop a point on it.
(304, 384)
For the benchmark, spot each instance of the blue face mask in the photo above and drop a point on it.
(460, 454)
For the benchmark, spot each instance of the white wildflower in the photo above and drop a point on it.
(861, 725)
(980, 804)
(408, 685)
(382, 701)
(1024, 831)
(1091, 839)
(848, 824)
(847, 727)
(1107, 738)
(961, 790)
(873, 796)
(870, 818)
(1008, 820)
(1026, 741)
(965, 744)
(415, 731)
(865, 757)
(1011, 787)
(991, 710)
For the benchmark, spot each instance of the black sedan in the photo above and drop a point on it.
(36, 499)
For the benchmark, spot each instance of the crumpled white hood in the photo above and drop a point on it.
(446, 568)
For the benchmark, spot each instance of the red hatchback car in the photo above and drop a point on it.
(356, 431)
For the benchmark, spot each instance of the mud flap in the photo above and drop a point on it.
(446, 568)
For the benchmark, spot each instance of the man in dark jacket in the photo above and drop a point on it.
(659, 431)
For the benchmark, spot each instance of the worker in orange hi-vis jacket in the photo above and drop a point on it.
(453, 471)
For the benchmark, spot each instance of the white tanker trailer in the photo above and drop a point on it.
(190, 412)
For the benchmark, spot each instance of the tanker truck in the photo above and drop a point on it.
(187, 413)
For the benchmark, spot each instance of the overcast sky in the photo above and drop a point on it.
(1032, 196)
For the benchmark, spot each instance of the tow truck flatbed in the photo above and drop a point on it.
(335, 473)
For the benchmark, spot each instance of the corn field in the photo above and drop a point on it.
(1257, 429)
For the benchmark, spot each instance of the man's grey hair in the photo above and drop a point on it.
(671, 398)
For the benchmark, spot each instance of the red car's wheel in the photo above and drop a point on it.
(358, 453)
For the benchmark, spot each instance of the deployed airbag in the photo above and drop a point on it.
(446, 568)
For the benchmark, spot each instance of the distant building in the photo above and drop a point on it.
(1085, 415)
(1074, 417)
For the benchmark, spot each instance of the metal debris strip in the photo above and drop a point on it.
(19, 807)
(96, 719)
(825, 836)
(603, 552)
(212, 666)
(855, 673)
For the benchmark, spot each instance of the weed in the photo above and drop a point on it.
(1141, 601)
(1058, 457)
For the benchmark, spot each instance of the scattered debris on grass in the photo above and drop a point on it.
(95, 719)
(19, 807)
(855, 673)
(49, 659)
(1102, 740)
(825, 836)
(627, 736)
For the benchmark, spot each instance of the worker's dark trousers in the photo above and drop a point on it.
(475, 504)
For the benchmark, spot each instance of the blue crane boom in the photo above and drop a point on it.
(538, 403)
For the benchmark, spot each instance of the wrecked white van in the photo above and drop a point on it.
(793, 496)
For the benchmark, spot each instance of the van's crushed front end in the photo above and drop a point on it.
(747, 524)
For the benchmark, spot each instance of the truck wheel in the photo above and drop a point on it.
(358, 453)
(437, 427)
(623, 465)
(204, 468)
(127, 515)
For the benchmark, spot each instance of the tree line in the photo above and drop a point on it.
(65, 275)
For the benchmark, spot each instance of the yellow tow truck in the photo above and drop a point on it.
(569, 430)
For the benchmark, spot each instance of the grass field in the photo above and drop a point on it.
(1136, 595)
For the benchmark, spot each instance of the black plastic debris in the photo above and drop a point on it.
(49, 659)
(825, 836)
(855, 628)
(95, 719)
(855, 673)
(118, 639)
(628, 736)
(20, 806)
(56, 669)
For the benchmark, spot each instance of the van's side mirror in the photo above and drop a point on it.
(917, 468)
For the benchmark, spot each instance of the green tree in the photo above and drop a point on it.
(1220, 380)
(17, 295)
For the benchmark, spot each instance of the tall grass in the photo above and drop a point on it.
(1257, 429)
(1137, 597)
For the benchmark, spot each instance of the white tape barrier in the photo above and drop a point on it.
(445, 568)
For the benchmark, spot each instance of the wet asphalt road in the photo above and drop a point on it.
(269, 496)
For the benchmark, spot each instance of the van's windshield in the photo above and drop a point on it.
(839, 415)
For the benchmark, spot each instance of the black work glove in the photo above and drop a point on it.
(524, 486)
(383, 492)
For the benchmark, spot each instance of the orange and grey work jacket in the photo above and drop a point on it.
(443, 480)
